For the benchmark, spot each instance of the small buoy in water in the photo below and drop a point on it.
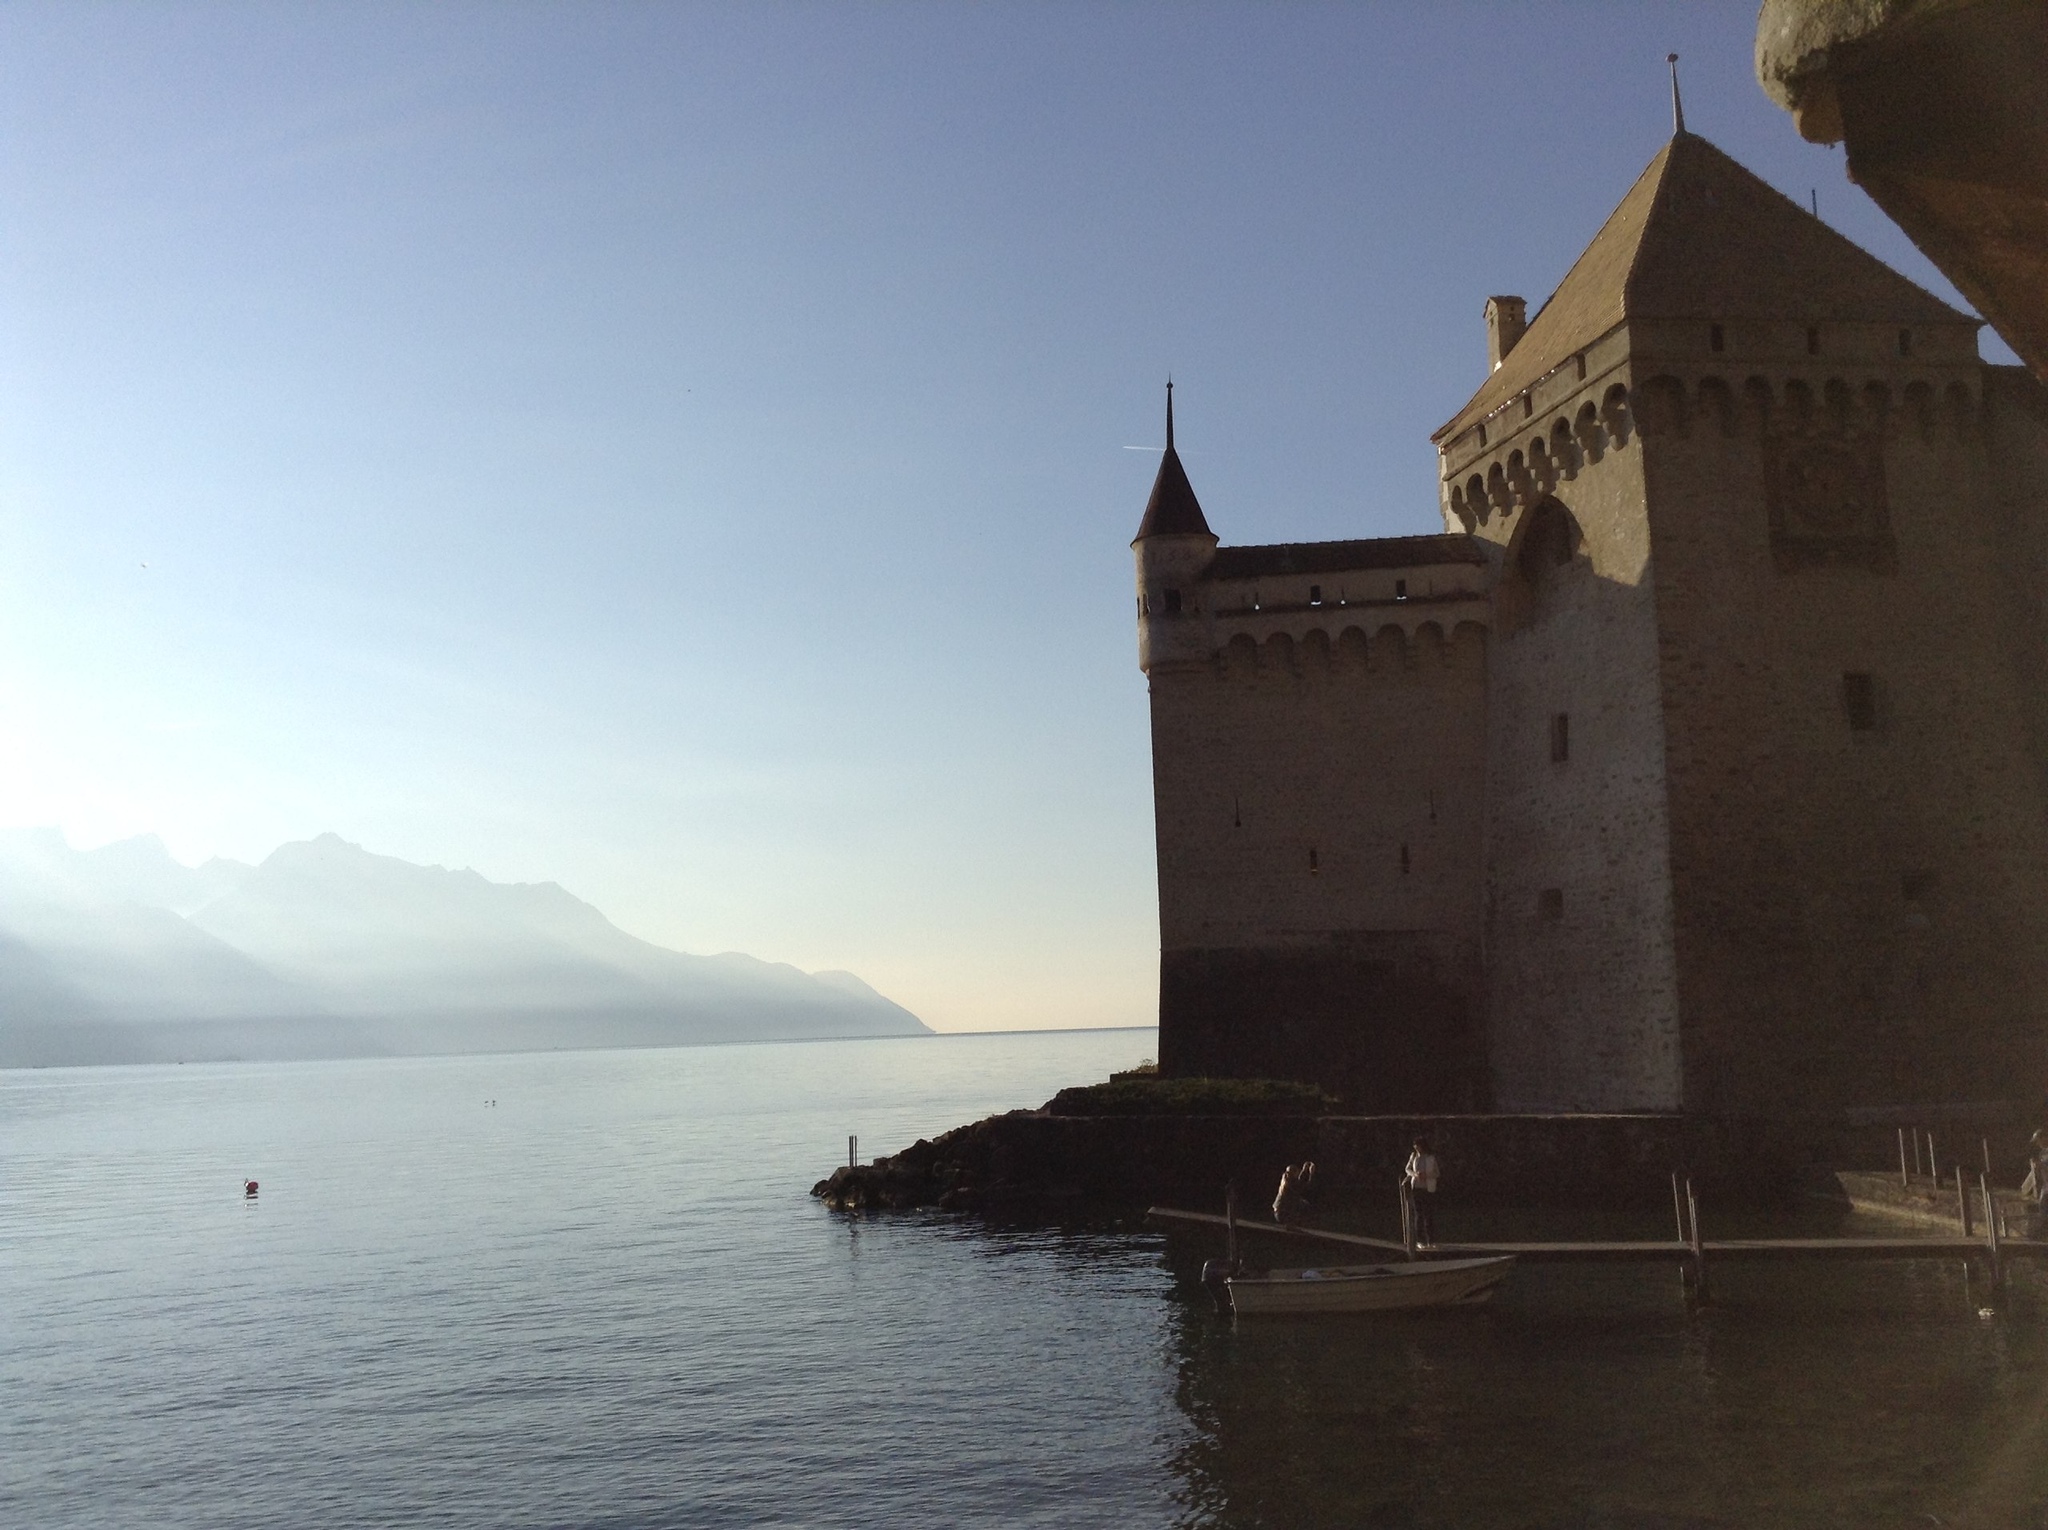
(249, 1188)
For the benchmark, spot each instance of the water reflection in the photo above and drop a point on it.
(1854, 1395)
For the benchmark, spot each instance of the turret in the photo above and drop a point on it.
(1174, 546)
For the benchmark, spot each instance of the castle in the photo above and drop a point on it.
(1700, 764)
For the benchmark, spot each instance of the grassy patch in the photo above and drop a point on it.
(1126, 1095)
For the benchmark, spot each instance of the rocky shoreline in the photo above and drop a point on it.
(1054, 1157)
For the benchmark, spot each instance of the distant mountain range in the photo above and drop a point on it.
(123, 955)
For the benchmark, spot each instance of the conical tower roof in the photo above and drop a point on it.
(1173, 509)
(1700, 237)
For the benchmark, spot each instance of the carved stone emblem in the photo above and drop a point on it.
(1827, 503)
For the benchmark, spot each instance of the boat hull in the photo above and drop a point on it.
(1368, 1287)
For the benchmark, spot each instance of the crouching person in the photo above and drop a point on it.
(1291, 1203)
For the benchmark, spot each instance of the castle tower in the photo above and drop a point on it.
(1318, 748)
(1767, 760)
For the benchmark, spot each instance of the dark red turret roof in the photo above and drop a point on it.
(1173, 510)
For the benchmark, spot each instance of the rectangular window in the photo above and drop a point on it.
(1905, 342)
(1560, 737)
(1312, 867)
(1716, 341)
(1404, 860)
(1400, 589)
(1315, 594)
(1173, 602)
(1550, 904)
(1813, 342)
(1859, 700)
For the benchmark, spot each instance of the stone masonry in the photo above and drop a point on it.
(1700, 765)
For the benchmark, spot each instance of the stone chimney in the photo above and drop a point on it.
(1506, 318)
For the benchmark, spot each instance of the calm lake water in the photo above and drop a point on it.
(607, 1300)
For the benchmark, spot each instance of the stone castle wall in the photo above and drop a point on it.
(1720, 785)
(1859, 867)
(1583, 1003)
(1319, 810)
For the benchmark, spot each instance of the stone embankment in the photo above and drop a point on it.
(1053, 1157)
(1036, 1157)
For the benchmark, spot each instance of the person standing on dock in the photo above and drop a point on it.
(1419, 1179)
(2035, 1186)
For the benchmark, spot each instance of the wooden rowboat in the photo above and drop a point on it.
(1367, 1287)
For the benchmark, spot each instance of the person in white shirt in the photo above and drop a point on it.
(1420, 1181)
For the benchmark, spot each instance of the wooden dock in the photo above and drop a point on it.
(1645, 1251)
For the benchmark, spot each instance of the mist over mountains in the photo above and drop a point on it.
(124, 955)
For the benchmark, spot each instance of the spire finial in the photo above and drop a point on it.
(1169, 414)
(1677, 106)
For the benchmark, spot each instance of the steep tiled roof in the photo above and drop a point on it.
(1700, 237)
(1340, 557)
(1173, 509)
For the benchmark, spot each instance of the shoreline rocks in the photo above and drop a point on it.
(1048, 1157)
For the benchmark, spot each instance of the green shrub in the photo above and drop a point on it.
(1125, 1095)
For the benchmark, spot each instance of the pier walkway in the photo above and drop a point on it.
(1649, 1250)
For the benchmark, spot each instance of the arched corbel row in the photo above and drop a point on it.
(1524, 470)
(1394, 646)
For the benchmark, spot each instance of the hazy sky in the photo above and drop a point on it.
(682, 451)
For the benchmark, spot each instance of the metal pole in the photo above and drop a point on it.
(1986, 1141)
(1903, 1181)
(853, 1152)
(1699, 1252)
(1916, 1150)
(1991, 1231)
(1962, 1202)
(1932, 1171)
(1678, 1212)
